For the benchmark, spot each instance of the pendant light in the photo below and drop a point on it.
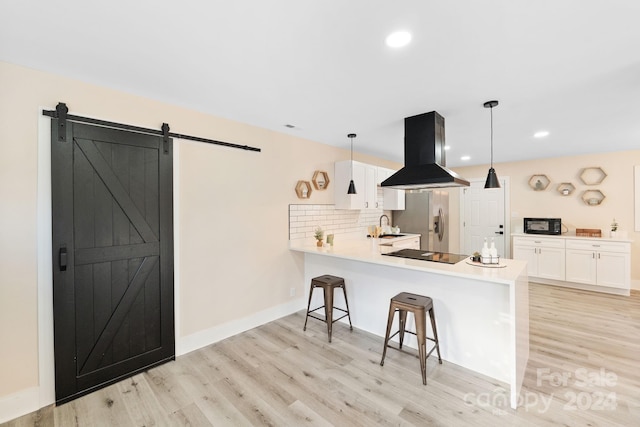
(352, 186)
(492, 178)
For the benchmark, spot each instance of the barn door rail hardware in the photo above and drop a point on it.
(61, 113)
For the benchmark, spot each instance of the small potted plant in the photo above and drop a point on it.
(476, 257)
(319, 235)
(614, 228)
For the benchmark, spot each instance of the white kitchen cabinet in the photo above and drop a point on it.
(409, 243)
(364, 178)
(405, 242)
(370, 187)
(545, 256)
(587, 263)
(600, 263)
(392, 199)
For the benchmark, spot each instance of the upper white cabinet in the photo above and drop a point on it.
(594, 262)
(370, 187)
(392, 199)
(544, 256)
(364, 178)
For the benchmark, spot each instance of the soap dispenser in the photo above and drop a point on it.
(493, 252)
(485, 252)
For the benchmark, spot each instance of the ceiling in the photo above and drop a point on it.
(570, 67)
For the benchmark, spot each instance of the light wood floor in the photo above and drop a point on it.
(584, 370)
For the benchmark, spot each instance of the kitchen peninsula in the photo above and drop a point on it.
(482, 313)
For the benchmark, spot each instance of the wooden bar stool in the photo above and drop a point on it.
(418, 305)
(328, 283)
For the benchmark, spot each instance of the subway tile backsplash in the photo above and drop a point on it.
(304, 218)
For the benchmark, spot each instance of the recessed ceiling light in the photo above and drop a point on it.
(541, 134)
(446, 147)
(465, 158)
(398, 39)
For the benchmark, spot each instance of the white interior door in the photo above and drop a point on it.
(484, 214)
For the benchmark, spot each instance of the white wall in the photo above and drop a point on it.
(618, 187)
(235, 269)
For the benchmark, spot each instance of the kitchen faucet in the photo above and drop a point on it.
(384, 216)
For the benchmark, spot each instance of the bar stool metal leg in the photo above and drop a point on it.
(435, 334)
(403, 324)
(308, 307)
(392, 312)
(421, 330)
(328, 309)
(346, 302)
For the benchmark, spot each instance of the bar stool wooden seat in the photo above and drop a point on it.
(419, 305)
(328, 283)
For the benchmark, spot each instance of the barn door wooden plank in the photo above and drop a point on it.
(116, 253)
(121, 310)
(117, 191)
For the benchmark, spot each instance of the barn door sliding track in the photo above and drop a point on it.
(61, 113)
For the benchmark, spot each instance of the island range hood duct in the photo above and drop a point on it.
(424, 156)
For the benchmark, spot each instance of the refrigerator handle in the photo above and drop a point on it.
(440, 225)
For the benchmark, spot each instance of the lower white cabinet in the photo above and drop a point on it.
(570, 259)
(544, 256)
(409, 242)
(412, 243)
(598, 263)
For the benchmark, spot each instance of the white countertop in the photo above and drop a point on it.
(573, 236)
(368, 250)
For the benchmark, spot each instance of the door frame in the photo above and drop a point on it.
(46, 363)
(505, 184)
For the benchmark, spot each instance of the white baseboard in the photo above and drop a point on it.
(18, 404)
(573, 285)
(209, 336)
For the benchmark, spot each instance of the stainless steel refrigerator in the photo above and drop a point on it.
(426, 213)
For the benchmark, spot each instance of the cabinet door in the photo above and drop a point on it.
(342, 177)
(529, 254)
(383, 173)
(613, 269)
(392, 199)
(581, 266)
(413, 243)
(551, 263)
(370, 187)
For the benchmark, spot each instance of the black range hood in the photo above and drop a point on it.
(424, 156)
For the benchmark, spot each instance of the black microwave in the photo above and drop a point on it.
(542, 226)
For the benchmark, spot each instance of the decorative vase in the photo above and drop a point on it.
(613, 233)
(319, 243)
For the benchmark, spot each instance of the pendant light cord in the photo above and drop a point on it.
(351, 138)
(492, 136)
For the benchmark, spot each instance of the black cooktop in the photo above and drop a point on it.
(428, 255)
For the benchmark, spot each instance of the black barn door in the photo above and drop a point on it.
(112, 215)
